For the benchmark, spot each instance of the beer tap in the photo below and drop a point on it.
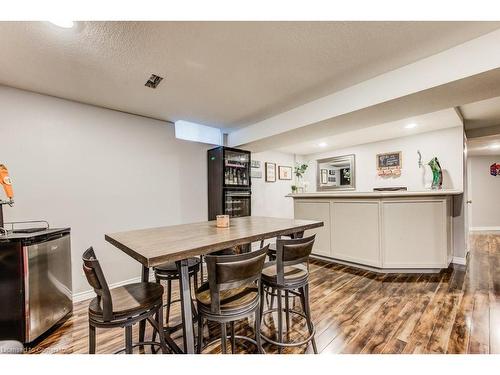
(6, 182)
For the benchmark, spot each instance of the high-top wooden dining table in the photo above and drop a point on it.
(154, 246)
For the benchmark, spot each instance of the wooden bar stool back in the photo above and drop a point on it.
(291, 252)
(289, 275)
(231, 293)
(122, 306)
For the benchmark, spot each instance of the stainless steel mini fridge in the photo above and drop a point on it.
(35, 274)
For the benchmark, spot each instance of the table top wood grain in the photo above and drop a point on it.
(154, 246)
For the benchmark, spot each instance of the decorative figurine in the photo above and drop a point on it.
(437, 174)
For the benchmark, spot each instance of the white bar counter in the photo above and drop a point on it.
(390, 231)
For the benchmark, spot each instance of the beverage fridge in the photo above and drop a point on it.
(229, 183)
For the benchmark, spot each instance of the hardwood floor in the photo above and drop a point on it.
(357, 311)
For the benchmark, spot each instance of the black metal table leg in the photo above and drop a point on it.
(187, 313)
(142, 323)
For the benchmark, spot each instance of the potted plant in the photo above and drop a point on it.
(300, 169)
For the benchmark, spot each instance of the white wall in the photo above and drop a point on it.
(446, 144)
(268, 198)
(97, 171)
(484, 191)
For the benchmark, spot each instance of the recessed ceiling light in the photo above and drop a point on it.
(411, 126)
(322, 144)
(63, 24)
(495, 146)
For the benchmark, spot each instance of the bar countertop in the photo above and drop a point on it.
(375, 194)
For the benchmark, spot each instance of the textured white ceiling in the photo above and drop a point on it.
(227, 74)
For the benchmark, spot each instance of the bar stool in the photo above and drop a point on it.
(231, 293)
(122, 306)
(289, 273)
(168, 272)
(270, 292)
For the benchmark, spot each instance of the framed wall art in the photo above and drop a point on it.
(255, 163)
(284, 173)
(389, 164)
(270, 172)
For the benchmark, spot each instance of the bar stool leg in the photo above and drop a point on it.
(169, 302)
(128, 339)
(280, 319)
(258, 317)
(92, 337)
(307, 311)
(201, 269)
(271, 305)
(261, 308)
(195, 281)
(287, 313)
(154, 330)
(233, 339)
(159, 328)
(193, 306)
(200, 334)
(223, 336)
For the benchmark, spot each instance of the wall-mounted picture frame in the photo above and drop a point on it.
(255, 164)
(324, 176)
(270, 172)
(390, 163)
(284, 172)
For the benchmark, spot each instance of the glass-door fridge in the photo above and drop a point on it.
(229, 182)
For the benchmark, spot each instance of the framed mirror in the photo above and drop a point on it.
(336, 173)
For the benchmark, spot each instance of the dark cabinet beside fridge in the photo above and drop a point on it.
(229, 182)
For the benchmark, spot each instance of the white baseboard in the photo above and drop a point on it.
(88, 294)
(459, 260)
(484, 229)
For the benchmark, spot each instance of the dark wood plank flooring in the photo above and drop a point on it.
(357, 311)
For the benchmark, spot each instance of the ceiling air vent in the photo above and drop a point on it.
(153, 81)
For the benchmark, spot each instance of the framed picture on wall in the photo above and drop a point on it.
(324, 176)
(270, 172)
(284, 173)
(255, 164)
(390, 163)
